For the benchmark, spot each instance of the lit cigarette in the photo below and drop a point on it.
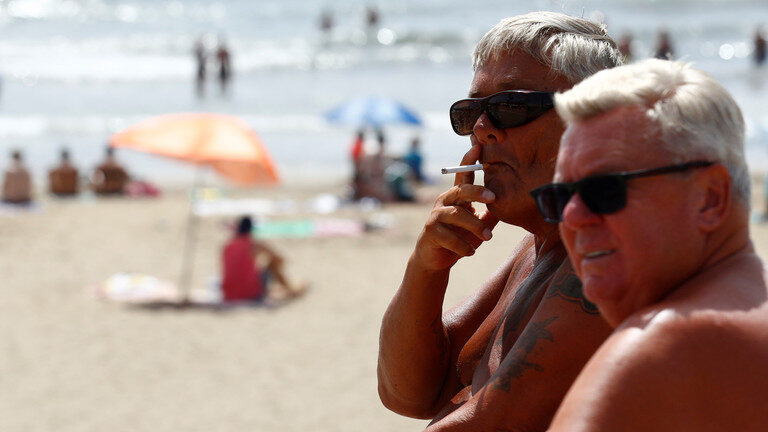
(463, 168)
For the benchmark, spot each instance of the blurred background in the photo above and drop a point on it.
(92, 334)
(75, 71)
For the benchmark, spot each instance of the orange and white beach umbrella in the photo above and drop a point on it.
(223, 142)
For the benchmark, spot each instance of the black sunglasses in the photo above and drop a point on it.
(602, 194)
(506, 109)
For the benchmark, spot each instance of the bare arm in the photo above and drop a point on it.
(260, 247)
(536, 371)
(415, 348)
(426, 366)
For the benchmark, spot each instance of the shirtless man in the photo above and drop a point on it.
(17, 183)
(109, 177)
(63, 178)
(664, 253)
(504, 358)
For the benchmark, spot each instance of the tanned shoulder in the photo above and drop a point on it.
(668, 373)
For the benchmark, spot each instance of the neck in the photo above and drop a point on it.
(730, 239)
(547, 239)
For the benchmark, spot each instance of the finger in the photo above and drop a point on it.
(466, 193)
(488, 219)
(470, 238)
(462, 219)
(470, 157)
(451, 240)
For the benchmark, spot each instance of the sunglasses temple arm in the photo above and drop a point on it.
(666, 170)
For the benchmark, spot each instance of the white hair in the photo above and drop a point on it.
(572, 47)
(697, 116)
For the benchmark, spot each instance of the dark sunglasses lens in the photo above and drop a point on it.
(551, 200)
(507, 114)
(464, 114)
(604, 194)
(516, 109)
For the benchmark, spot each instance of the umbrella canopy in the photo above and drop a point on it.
(224, 142)
(372, 112)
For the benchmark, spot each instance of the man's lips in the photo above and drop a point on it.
(598, 253)
(497, 164)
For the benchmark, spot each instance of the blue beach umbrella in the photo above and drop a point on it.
(372, 112)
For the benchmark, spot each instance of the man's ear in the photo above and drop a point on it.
(715, 205)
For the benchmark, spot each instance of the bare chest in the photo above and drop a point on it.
(497, 335)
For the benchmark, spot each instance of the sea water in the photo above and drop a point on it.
(76, 71)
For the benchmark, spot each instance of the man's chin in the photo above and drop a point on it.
(501, 212)
(518, 214)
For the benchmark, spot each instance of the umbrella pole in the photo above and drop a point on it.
(190, 242)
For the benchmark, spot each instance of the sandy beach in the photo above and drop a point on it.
(75, 363)
(72, 362)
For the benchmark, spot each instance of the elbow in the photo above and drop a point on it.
(397, 403)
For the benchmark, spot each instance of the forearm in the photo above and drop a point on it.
(414, 349)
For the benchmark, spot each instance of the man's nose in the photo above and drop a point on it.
(484, 130)
(577, 215)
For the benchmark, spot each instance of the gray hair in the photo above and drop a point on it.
(572, 47)
(697, 116)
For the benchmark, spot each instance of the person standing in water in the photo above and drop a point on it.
(760, 47)
(224, 60)
(201, 57)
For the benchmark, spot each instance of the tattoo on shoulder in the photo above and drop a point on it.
(516, 362)
(568, 287)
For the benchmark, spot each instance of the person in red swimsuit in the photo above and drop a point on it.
(242, 279)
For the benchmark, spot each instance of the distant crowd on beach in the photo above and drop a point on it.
(107, 178)
(381, 176)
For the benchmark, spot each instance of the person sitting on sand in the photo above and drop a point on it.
(63, 178)
(17, 185)
(242, 279)
(109, 178)
(652, 199)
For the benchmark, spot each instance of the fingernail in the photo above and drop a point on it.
(489, 195)
(487, 234)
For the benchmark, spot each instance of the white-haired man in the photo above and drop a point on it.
(504, 358)
(652, 199)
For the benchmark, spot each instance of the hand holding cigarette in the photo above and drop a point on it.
(455, 229)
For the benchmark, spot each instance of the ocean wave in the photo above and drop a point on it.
(164, 57)
(144, 40)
